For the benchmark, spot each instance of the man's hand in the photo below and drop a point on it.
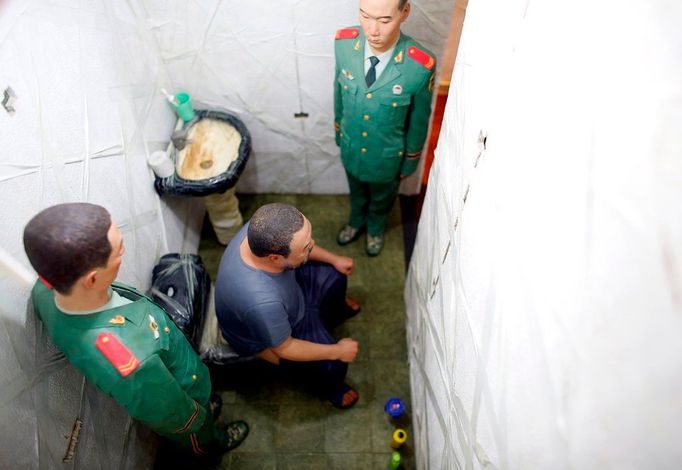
(344, 265)
(348, 349)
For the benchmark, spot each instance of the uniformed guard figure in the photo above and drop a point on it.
(382, 104)
(118, 338)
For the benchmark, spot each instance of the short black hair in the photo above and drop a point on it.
(65, 241)
(272, 228)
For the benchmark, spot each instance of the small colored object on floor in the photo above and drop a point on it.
(394, 407)
(183, 108)
(399, 437)
(395, 460)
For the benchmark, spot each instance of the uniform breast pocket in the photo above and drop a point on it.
(348, 92)
(394, 109)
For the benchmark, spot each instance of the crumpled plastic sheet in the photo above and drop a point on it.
(88, 111)
(266, 62)
(543, 294)
(88, 76)
(178, 186)
(180, 285)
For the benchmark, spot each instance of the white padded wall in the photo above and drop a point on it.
(88, 110)
(545, 290)
(267, 60)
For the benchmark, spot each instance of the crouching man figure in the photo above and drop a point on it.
(272, 304)
(118, 338)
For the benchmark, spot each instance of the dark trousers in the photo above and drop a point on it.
(324, 290)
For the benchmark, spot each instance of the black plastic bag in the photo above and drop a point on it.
(181, 285)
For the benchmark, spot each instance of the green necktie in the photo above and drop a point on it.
(372, 72)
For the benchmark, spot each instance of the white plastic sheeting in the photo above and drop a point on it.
(545, 291)
(87, 76)
(265, 61)
(88, 111)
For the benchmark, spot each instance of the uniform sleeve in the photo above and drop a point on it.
(338, 104)
(153, 396)
(418, 124)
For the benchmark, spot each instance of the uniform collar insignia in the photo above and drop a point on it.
(154, 327)
(347, 74)
(357, 46)
(118, 320)
(399, 58)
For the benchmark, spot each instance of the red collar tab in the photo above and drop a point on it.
(347, 33)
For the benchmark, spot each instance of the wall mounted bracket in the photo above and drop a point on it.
(8, 100)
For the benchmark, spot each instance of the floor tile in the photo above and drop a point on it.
(302, 462)
(301, 428)
(260, 461)
(261, 421)
(347, 430)
(350, 461)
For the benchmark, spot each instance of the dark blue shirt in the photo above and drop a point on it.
(256, 310)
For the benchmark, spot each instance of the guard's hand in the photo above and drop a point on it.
(348, 349)
(344, 265)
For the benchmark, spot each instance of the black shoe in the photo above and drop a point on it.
(235, 432)
(215, 405)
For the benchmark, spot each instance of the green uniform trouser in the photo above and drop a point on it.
(208, 439)
(370, 203)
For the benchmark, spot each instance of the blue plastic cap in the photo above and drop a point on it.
(394, 407)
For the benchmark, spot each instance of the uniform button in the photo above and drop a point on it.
(345, 87)
(194, 377)
(166, 329)
(340, 134)
(369, 96)
(395, 105)
(401, 153)
(366, 117)
(364, 134)
(363, 150)
(105, 340)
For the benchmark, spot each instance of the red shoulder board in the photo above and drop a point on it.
(119, 356)
(422, 57)
(347, 33)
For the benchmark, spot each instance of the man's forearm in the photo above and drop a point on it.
(300, 350)
(320, 254)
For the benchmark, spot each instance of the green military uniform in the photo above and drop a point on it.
(137, 355)
(380, 129)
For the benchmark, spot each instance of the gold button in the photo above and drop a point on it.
(369, 96)
(166, 329)
(363, 150)
(105, 340)
(395, 105)
(345, 87)
(366, 117)
(401, 153)
(194, 377)
(364, 134)
(340, 134)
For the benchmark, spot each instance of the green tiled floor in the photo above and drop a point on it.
(291, 428)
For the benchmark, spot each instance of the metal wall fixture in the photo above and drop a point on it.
(8, 100)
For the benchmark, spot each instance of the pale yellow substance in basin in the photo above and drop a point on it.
(215, 144)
